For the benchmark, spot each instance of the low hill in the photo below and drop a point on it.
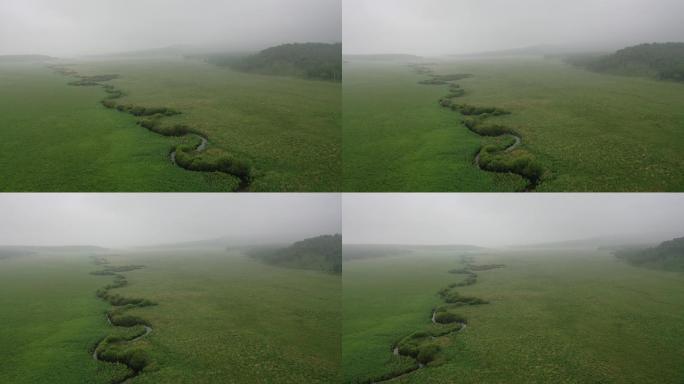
(400, 57)
(11, 251)
(308, 60)
(24, 58)
(668, 255)
(371, 251)
(664, 61)
(322, 253)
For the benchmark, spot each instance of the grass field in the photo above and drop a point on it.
(219, 317)
(60, 138)
(591, 132)
(558, 316)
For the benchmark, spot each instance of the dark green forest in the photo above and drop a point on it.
(308, 60)
(668, 255)
(322, 253)
(663, 61)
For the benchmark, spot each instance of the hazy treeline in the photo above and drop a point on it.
(664, 61)
(309, 60)
(323, 253)
(668, 255)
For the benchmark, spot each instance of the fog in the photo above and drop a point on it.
(494, 220)
(82, 27)
(124, 220)
(431, 27)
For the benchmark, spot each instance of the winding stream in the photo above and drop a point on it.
(455, 91)
(511, 147)
(453, 300)
(116, 317)
(200, 147)
(225, 164)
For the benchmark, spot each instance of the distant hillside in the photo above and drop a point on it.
(664, 61)
(10, 251)
(372, 251)
(384, 57)
(309, 60)
(668, 255)
(322, 253)
(24, 58)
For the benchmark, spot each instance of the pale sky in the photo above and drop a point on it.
(121, 220)
(433, 27)
(81, 27)
(489, 219)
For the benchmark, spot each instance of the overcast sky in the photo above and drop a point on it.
(119, 220)
(508, 219)
(73, 27)
(427, 27)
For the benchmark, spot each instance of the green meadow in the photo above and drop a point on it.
(553, 316)
(58, 137)
(218, 316)
(589, 131)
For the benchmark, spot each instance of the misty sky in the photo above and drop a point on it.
(119, 220)
(508, 219)
(74, 27)
(428, 27)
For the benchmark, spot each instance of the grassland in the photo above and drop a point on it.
(589, 131)
(287, 129)
(559, 316)
(51, 320)
(219, 317)
(396, 137)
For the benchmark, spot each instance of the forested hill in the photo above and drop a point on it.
(309, 60)
(664, 61)
(322, 253)
(668, 255)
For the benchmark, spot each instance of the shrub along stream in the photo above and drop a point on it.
(121, 346)
(424, 346)
(192, 157)
(503, 156)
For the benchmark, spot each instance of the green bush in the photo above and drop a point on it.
(109, 104)
(432, 82)
(471, 110)
(448, 318)
(427, 353)
(128, 321)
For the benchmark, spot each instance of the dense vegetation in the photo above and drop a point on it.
(668, 255)
(219, 319)
(664, 61)
(52, 319)
(287, 129)
(554, 316)
(322, 253)
(309, 60)
(191, 157)
(425, 346)
(587, 131)
(123, 345)
(503, 156)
